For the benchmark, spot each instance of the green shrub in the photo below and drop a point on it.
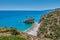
(14, 31)
(51, 24)
(11, 38)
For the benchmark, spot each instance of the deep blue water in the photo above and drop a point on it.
(15, 18)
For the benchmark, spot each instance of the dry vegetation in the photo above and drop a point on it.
(49, 29)
(50, 26)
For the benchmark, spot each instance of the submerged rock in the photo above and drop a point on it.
(29, 21)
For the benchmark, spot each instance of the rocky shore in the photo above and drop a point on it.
(48, 28)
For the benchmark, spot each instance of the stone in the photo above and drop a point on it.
(29, 21)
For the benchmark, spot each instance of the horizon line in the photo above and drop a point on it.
(26, 9)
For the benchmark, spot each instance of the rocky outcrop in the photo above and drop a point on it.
(50, 26)
(29, 21)
(7, 33)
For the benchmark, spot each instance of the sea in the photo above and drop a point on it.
(15, 19)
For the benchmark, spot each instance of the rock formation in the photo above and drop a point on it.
(29, 21)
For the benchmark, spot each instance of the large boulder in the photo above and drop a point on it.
(29, 21)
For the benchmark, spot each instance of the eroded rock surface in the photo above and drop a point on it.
(29, 21)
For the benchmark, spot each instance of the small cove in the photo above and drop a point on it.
(16, 19)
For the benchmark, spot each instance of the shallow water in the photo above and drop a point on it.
(15, 18)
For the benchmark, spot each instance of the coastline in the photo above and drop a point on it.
(33, 30)
(29, 28)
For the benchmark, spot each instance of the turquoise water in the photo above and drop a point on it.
(16, 19)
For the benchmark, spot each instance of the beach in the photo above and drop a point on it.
(16, 19)
(33, 30)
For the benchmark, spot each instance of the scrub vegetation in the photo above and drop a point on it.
(49, 29)
(50, 26)
(12, 38)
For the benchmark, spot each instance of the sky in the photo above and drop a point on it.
(29, 4)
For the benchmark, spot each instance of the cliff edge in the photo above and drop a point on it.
(50, 26)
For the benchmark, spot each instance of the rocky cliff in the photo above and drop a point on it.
(49, 29)
(50, 26)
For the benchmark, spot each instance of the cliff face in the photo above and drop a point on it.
(50, 26)
(14, 34)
